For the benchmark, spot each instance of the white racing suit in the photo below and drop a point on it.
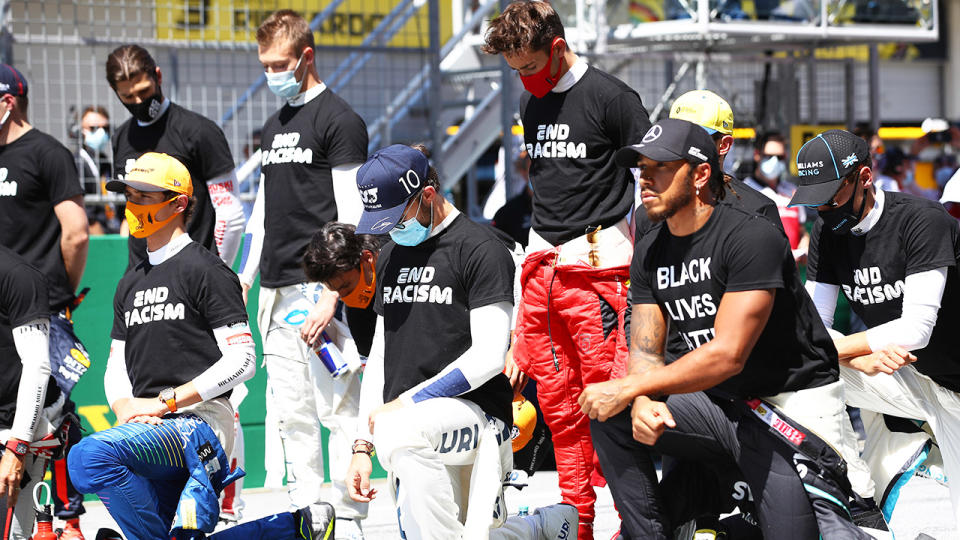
(45, 442)
(302, 395)
(446, 460)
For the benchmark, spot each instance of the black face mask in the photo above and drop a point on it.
(147, 110)
(843, 218)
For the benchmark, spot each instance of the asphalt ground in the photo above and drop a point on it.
(923, 507)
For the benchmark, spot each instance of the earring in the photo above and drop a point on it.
(698, 192)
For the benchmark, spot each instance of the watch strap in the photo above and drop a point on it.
(17, 447)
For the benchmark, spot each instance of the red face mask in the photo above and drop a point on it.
(540, 83)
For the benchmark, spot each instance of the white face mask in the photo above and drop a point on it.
(97, 139)
(772, 167)
(3, 120)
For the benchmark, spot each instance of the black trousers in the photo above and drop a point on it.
(714, 445)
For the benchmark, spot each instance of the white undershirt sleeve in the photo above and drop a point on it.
(345, 192)
(922, 293)
(229, 216)
(824, 298)
(490, 336)
(237, 364)
(371, 389)
(116, 380)
(253, 241)
(32, 341)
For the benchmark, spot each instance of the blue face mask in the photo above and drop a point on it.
(411, 232)
(97, 139)
(285, 84)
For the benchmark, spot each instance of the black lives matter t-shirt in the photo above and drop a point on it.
(23, 298)
(300, 145)
(912, 235)
(736, 251)
(738, 195)
(194, 140)
(571, 138)
(36, 174)
(425, 294)
(166, 315)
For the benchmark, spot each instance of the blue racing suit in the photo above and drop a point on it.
(163, 481)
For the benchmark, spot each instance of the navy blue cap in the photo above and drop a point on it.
(12, 81)
(390, 177)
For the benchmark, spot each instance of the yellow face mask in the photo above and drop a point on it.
(142, 218)
(361, 295)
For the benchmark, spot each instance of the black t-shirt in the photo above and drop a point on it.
(912, 235)
(300, 145)
(738, 195)
(425, 294)
(513, 217)
(194, 140)
(36, 174)
(737, 251)
(571, 138)
(23, 298)
(166, 315)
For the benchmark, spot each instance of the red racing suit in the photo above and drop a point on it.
(583, 344)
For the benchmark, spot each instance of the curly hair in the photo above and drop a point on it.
(524, 26)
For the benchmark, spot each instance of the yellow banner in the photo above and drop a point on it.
(237, 21)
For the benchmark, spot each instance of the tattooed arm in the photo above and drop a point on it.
(648, 331)
(740, 319)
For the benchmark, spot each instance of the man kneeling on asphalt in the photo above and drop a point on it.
(727, 280)
(181, 342)
(434, 398)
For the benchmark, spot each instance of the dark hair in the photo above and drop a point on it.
(95, 109)
(129, 62)
(433, 178)
(334, 249)
(288, 25)
(716, 182)
(22, 103)
(191, 203)
(524, 26)
(770, 136)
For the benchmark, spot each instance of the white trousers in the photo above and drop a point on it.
(303, 395)
(909, 394)
(823, 411)
(447, 460)
(24, 514)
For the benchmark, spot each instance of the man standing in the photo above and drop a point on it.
(727, 280)
(770, 158)
(310, 151)
(894, 256)
(95, 168)
(569, 329)
(161, 470)
(159, 125)
(42, 219)
(437, 404)
(29, 397)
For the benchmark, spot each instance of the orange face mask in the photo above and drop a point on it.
(361, 295)
(142, 218)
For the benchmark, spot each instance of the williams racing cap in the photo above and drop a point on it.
(12, 81)
(822, 164)
(390, 177)
(154, 171)
(669, 140)
(706, 109)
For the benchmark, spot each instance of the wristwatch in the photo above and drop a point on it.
(363, 447)
(17, 447)
(169, 397)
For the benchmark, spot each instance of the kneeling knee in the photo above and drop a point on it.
(90, 463)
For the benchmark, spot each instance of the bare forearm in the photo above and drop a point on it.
(700, 369)
(74, 250)
(852, 346)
